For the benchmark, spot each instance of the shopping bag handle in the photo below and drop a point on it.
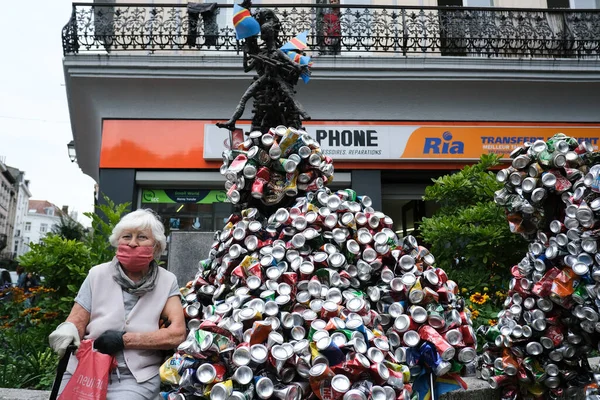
(60, 371)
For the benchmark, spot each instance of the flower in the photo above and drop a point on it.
(463, 290)
(492, 322)
(485, 289)
(499, 294)
(478, 298)
(474, 314)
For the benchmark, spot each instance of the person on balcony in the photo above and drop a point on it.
(120, 305)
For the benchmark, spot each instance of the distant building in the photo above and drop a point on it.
(8, 202)
(41, 217)
(22, 207)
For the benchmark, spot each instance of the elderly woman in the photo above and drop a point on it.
(120, 304)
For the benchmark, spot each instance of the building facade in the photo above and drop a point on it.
(21, 210)
(8, 203)
(401, 92)
(42, 217)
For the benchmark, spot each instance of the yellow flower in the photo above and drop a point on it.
(463, 290)
(492, 322)
(485, 289)
(500, 294)
(475, 314)
(478, 298)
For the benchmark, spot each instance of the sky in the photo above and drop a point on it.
(34, 116)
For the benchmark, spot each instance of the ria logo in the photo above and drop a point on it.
(447, 146)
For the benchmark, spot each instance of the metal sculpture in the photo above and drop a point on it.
(273, 88)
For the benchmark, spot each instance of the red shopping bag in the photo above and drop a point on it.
(90, 380)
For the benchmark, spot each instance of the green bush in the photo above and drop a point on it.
(97, 237)
(63, 263)
(470, 237)
(26, 319)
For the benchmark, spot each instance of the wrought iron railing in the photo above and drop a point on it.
(339, 30)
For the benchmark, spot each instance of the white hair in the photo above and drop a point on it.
(142, 218)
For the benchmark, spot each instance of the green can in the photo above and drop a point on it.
(492, 333)
(351, 194)
(580, 294)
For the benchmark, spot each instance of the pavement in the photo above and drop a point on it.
(478, 390)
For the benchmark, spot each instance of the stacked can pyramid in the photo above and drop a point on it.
(549, 324)
(319, 299)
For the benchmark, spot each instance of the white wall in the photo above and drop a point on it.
(22, 208)
(35, 234)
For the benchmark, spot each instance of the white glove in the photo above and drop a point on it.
(64, 335)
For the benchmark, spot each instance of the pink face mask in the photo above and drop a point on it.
(135, 259)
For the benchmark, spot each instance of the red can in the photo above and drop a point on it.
(443, 277)
(256, 270)
(320, 376)
(258, 188)
(444, 348)
(263, 173)
(330, 309)
(291, 278)
(543, 287)
(468, 333)
(354, 367)
(555, 334)
(260, 332)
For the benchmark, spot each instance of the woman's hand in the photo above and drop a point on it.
(63, 336)
(110, 342)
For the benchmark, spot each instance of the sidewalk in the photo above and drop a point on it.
(478, 390)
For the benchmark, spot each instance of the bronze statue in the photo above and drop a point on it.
(273, 88)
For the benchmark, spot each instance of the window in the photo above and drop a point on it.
(43, 228)
(558, 4)
(50, 211)
(18, 232)
(443, 3)
(27, 226)
(585, 4)
(479, 3)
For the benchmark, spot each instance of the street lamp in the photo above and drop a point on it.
(71, 149)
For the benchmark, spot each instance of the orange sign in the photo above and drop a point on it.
(185, 144)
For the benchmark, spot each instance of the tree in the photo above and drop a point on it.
(469, 235)
(68, 228)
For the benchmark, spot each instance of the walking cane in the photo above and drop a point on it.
(432, 383)
(60, 371)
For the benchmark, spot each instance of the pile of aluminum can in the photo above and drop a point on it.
(550, 321)
(317, 300)
(271, 166)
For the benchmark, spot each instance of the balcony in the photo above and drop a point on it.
(346, 30)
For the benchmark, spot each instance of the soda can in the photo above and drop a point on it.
(331, 351)
(354, 394)
(340, 384)
(243, 375)
(435, 316)
(264, 387)
(418, 314)
(320, 376)
(429, 334)
(221, 390)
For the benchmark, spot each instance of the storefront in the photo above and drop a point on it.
(171, 166)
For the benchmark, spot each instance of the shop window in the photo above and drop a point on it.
(198, 210)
